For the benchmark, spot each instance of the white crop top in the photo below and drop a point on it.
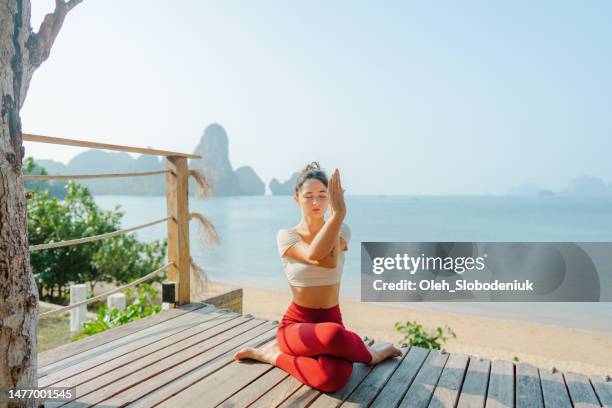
(303, 274)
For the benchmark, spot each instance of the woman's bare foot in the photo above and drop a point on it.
(266, 354)
(381, 351)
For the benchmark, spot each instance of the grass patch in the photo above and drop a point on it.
(53, 331)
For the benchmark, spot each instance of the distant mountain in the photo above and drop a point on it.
(52, 166)
(588, 186)
(56, 188)
(527, 189)
(98, 161)
(579, 186)
(286, 188)
(215, 164)
(214, 149)
(249, 182)
(546, 193)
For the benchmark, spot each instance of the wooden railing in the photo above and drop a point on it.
(177, 200)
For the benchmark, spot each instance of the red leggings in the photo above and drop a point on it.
(316, 348)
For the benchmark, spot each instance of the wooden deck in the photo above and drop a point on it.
(182, 358)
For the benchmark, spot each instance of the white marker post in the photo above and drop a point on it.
(116, 300)
(78, 293)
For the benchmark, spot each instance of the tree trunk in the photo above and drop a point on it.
(19, 307)
(21, 52)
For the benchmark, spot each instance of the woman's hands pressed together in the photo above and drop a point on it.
(336, 195)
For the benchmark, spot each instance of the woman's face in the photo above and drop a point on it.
(313, 198)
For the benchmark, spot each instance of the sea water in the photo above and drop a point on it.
(247, 226)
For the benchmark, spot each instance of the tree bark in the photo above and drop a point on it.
(21, 52)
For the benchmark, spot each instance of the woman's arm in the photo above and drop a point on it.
(327, 237)
(299, 252)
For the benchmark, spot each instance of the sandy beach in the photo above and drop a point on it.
(542, 345)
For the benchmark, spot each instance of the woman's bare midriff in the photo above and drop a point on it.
(319, 297)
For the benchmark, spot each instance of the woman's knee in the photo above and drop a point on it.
(336, 372)
(331, 334)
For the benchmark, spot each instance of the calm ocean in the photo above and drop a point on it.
(247, 227)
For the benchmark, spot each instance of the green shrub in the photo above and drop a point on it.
(415, 335)
(142, 305)
(120, 259)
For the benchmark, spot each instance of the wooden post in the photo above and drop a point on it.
(177, 191)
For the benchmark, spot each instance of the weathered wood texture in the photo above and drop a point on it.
(184, 360)
(22, 51)
(96, 145)
(232, 300)
(177, 199)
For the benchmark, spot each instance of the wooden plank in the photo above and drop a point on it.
(422, 388)
(581, 392)
(208, 363)
(448, 388)
(369, 388)
(324, 399)
(554, 390)
(143, 366)
(177, 203)
(145, 373)
(528, 386)
(278, 393)
(603, 389)
(183, 322)
(105, 146)
(363, 385)
(256, 389)
(301, 398)
(475, 384)
(68, 350)
(217, 387)
(146, 365)
(180, 375)
(501, 385)
(96, 368)
(401, 379)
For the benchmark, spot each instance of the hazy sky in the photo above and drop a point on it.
(407, 98)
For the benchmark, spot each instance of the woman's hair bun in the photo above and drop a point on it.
(311, 171)
(311, 166)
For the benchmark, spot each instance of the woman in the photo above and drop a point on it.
(312, 343)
